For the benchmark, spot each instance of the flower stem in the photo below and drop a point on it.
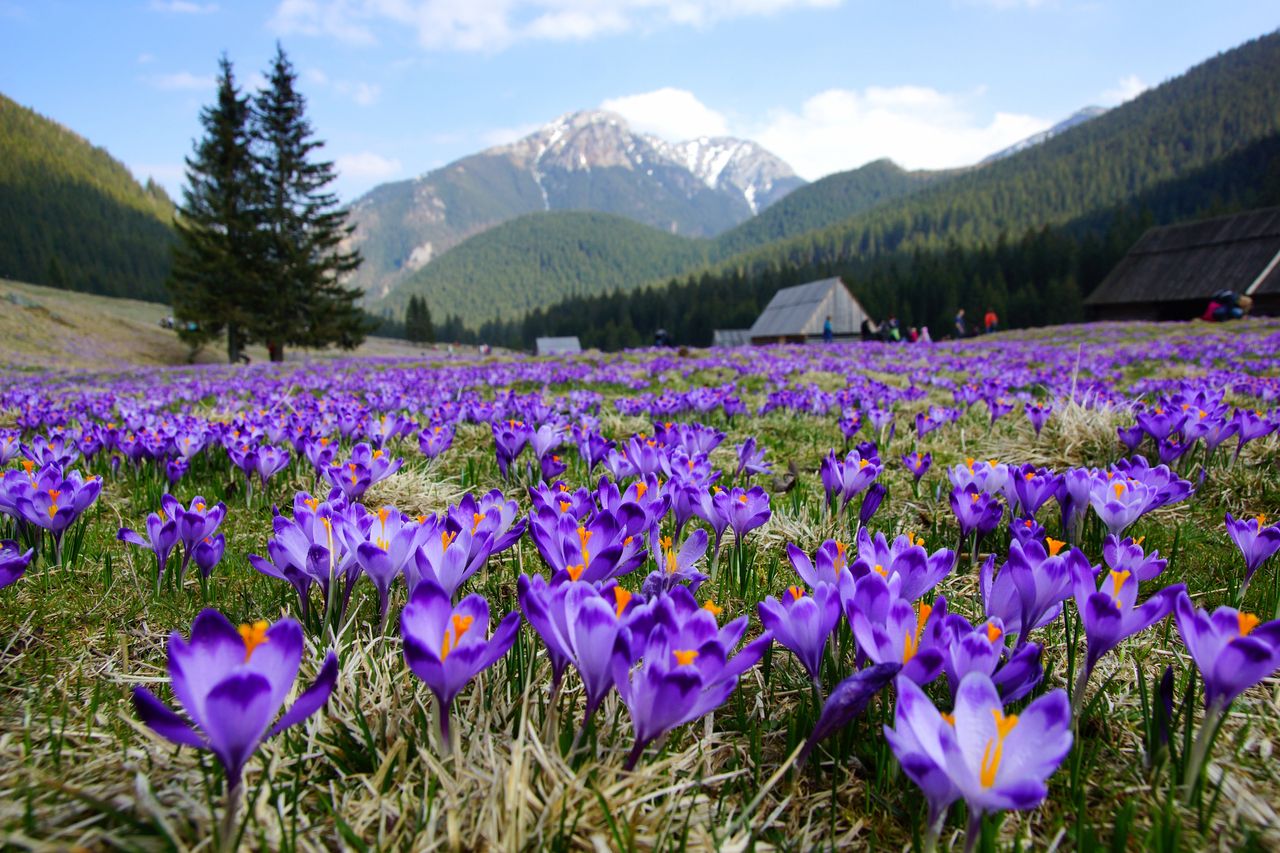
(227, 828)
(974, 832)
(634, 756)
(1077, 694)
(1200, 750)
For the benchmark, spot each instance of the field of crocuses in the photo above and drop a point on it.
(1010, 593)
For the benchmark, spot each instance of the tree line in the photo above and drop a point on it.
(260, 255)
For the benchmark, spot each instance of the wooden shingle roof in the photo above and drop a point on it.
(1195, 260)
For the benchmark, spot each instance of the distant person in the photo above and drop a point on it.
(962, 330)
(990, 321)
(1227, 305)
(828, 335)
(913, 334)
(661, 338)
(924, 335)
(868, 329)
(890, 332)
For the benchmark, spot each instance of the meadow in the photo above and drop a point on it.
(1014, 592)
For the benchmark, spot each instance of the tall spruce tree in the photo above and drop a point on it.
(303, 301)
(214, 278)
(417, 321)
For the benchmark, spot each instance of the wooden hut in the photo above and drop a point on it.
(1171, 271)
(796, 314)
(558, 346)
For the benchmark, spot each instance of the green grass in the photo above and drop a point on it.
(79, 770)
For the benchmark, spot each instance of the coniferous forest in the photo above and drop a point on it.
(73, 217)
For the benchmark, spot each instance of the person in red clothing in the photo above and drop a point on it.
(990, 321)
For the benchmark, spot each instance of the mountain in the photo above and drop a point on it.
(1211, 111)
(1078, 117)
(1197, 141)
(828, 200)
(474, 279)
(72, 216)
(582, 161)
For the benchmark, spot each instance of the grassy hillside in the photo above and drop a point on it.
(42, 328)
(72, 216)
(537, 259)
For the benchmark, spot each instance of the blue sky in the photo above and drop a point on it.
(399, 87)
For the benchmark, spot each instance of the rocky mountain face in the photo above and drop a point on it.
(588, 160)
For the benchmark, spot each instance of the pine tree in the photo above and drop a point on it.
(303, 301)
(213, 276)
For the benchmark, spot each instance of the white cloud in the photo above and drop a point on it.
(1127, 88)
(363, 94)
(366, 166)
(493, 25)
(181, 81)
(917, 127)
(673, 114)
(183, 7)
(146, 58)
(505, 135)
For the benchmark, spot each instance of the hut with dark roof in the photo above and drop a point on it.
(1172, 271)
(796, 314)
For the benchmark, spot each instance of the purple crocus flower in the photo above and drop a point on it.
(1001, 761)
(1250, 425)
(678, 567)
(1027, 530)
(1031, 587)
(52, 500)
(1256, 543)
(510, 438)
(751, 460)
(1131, 436)
(847, 478)
(1112, 615)
(232, 684)
(447, 556)
(537, 602)
(829, 563)
(1119, 502)
(917, 463)
(977, 512)
(1038, 413)
(433, 441)
(903, 562)
(742, 510)
(587, 624)
(1033, 487)
(848, 700)
(393, 539)
(446, 646)
(162, 536)
(685, 666)
(208, 553)
(916, 741)
(196, 523)
(890, 630)
(365, 467)
(175, 470)
(803, 623)
(1232, 649)
(13, 561)
(966, 649)
(1127, 556)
